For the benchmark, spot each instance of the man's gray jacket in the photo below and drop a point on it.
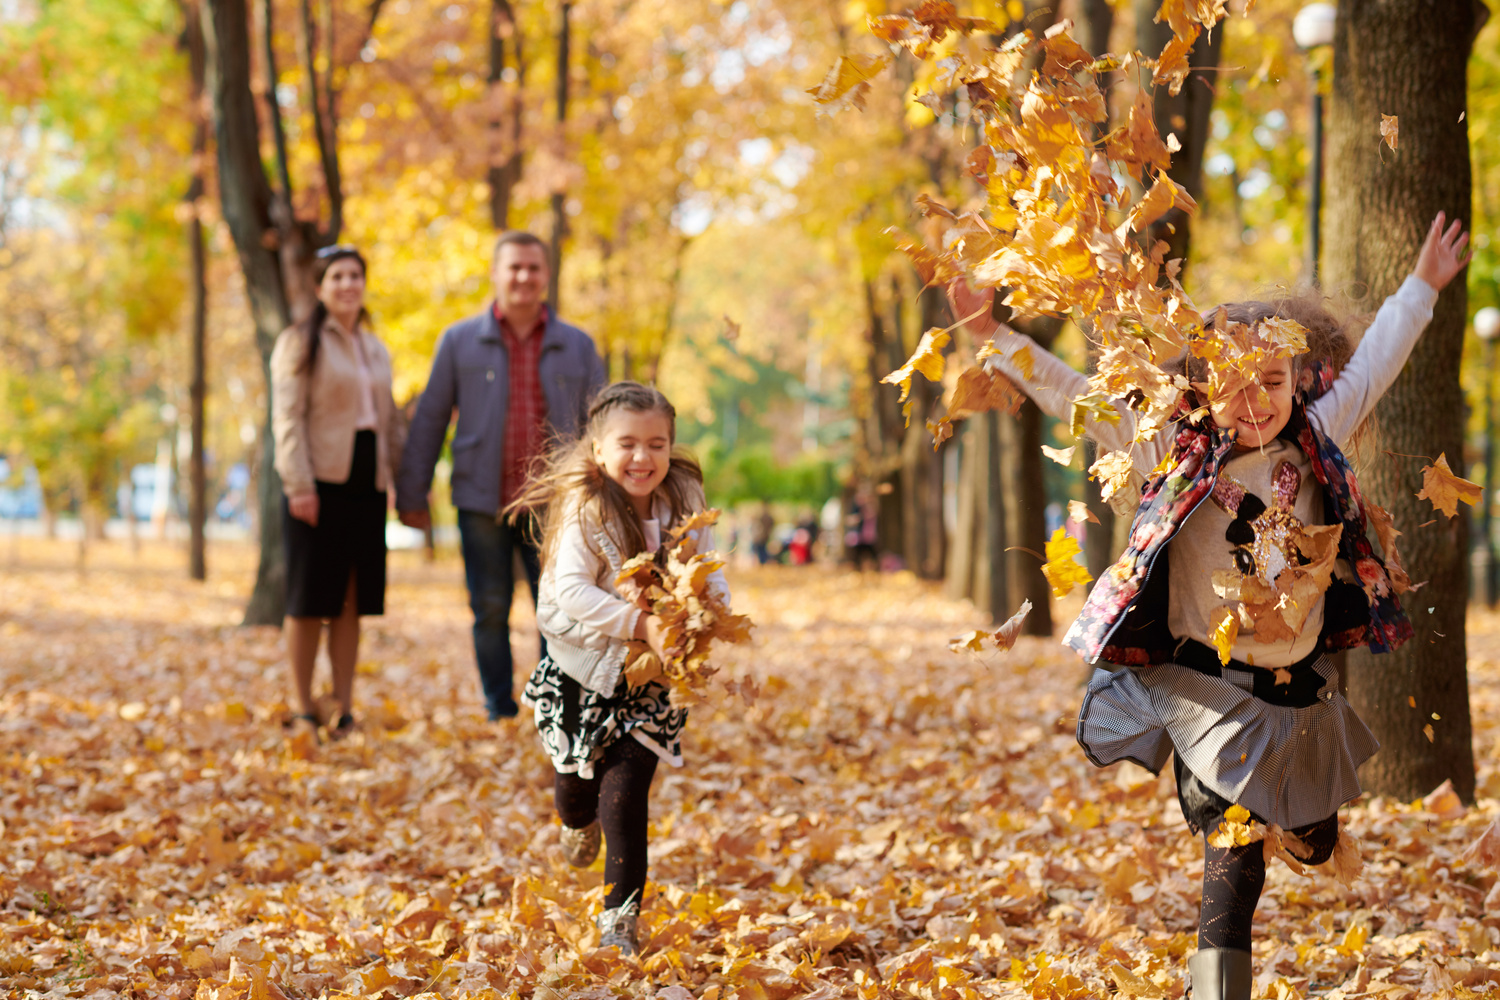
(471, 373)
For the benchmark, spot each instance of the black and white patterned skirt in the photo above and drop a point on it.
(1288, 765)
(576, 724)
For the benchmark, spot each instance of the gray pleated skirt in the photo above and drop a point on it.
(1288, 766)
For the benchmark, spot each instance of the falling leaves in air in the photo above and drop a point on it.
(1445, 490)
(1062, 570)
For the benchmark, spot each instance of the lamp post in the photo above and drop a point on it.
(1312, 28)
(1486, 326)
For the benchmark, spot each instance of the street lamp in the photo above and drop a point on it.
(1312, 28)
(1486, 326)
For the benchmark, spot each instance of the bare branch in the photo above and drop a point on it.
(325, 122)
(281, 211)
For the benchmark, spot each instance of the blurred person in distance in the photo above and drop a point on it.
(519, 378)
(338, 442)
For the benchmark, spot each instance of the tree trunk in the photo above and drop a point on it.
(197, 383)
(1184, 114)
(505, 120)
(1408, 58)
(1028, 497)
(559, 198)
(245, 197)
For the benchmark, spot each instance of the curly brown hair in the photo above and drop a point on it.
(1329, 339)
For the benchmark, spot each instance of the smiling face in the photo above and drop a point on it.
(1258, 417)
(520, 277)
(634, 448)
(342, 289)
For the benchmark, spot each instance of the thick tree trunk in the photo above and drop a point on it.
(198, 382)
(505, 125)
(245, 198)
(1408, 58)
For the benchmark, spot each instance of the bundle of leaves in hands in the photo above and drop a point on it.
(673, 584)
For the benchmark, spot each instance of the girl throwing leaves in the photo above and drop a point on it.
(612, 495)
(1247, 562)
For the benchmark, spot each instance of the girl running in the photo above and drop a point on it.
(611, 496)
(1267, 730)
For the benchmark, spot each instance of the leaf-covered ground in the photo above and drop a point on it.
(888, 819)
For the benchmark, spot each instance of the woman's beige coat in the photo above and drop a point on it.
(313, 412)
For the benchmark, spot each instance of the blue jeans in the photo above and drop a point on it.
(489, 549)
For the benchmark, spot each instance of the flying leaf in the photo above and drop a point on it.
(1062, 456)
(1445, 490)
(1079, 511)
(1112, 470)
(979, 389)
(1003, 637)
(848, 82)
(1062, 570)
(926, 360)
(1389, 127)
(1386, 533)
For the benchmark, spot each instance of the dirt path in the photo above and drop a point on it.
(887, 819)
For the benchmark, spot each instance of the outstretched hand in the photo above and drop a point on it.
(968, 301)
(1444, 253)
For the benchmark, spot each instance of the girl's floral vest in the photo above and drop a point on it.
(1124, 620)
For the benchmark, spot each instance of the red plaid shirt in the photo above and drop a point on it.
(526, 410)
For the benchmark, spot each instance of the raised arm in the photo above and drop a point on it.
(1389, 341)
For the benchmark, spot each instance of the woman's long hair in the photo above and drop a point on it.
(572, 484)
(312, 327)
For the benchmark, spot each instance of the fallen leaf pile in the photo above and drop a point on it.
(694, 615)
(888, 819)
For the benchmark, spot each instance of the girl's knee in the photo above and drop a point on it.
(1318, 839)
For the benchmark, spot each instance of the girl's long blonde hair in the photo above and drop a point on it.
(570, 483)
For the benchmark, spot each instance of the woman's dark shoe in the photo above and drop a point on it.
(304, 725)
(342, 728)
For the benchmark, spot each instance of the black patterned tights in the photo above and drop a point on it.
(617, 795)
(1234, 876)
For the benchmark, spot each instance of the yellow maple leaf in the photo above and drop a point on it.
(926, 360)
(848, 82)
(1062, 571)
(1445, 489)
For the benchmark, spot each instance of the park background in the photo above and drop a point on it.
(718, 233)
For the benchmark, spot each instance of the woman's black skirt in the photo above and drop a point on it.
(349, 537)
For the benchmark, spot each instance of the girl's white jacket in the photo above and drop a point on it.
(585, 620)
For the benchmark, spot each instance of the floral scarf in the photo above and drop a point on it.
(1124, 621)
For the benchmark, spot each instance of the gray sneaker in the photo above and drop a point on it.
(581, 847)
(617, 928)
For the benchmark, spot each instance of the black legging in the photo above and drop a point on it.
(1234, 876)
(617, 795)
